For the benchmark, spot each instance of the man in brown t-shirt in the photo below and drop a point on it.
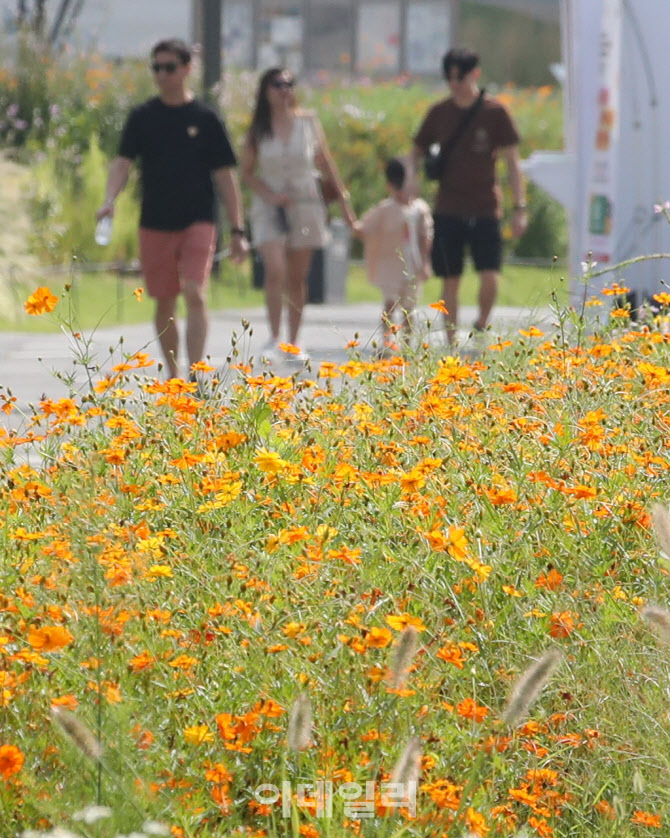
(468, 205)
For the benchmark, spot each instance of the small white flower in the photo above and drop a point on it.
(93, 814)
(587, 267)
(155, 828)
(662, 207)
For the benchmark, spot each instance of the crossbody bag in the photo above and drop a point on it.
(435, 158)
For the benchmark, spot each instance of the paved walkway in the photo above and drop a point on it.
(34, 366)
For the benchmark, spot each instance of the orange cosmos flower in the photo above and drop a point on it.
(440, 306)
(646, 819)
(615, 291)
(49, 638)
(476, 822)
(562, 625)
(469, 709)
(605, 809)
(138, 293)
(451, 654)
(457, 546)
(11, 761)
(346, 554)
(69, 701)
(40, 301)
(145, 660)
(377, 638)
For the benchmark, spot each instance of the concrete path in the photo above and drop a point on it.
(36, 366)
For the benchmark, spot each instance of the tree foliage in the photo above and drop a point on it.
(49, 22)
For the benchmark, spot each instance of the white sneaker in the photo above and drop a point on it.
(270, 350)
(300, 357)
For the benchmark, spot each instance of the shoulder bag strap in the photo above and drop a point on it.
(466, 119)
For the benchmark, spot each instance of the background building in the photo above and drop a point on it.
(380, 37)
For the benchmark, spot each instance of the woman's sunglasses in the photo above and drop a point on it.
(168, 66)
(283, 84)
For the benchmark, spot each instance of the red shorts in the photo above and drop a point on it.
(170, 258)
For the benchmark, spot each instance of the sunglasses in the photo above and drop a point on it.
(283, 84)
(168, 66)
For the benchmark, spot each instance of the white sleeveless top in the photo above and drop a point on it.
(289, 167)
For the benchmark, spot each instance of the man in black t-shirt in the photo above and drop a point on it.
(183, 152)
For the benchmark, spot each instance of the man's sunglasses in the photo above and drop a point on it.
(283, 84)
(168, 66)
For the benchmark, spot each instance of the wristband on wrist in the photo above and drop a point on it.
(520, 207)
(237, 231)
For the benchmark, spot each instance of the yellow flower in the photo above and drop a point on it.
(198, 734)
(401, 621)
(269, 461)
(157, 571)
(293, 629)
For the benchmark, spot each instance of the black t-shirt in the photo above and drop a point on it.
(178, 148)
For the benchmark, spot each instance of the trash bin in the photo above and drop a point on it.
(337, 262)
(315, 278)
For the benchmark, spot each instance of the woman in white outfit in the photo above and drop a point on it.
(284, 150)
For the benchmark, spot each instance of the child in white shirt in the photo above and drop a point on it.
(397, 234)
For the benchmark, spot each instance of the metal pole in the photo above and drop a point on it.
(211, 43)
(353, 43)
(454, 22)
(255, 27)
(306, 37)
(402, 51)
(196, 21)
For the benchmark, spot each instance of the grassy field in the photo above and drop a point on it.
(428, 570)
(105, 299)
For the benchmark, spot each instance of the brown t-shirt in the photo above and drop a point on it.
(469, 186)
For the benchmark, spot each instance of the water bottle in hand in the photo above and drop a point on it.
(103, 232)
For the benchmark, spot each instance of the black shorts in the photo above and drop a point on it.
(453, 232)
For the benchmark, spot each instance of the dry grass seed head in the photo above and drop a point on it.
(658, 620)
(299, 735)
(407, 646)
(408, 767)
(78, 733)
(529, 686)
(660, 516)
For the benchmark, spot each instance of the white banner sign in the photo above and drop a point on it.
(602, 186)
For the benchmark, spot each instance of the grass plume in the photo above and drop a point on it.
(78, 733)
(658, 620)
(299, 735)
(529, 686)
(408, 767)
(407, 646)
(660, 516)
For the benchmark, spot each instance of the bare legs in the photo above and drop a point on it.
(168, 335)
(488, 291)
(196, 327)
(285, 273)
